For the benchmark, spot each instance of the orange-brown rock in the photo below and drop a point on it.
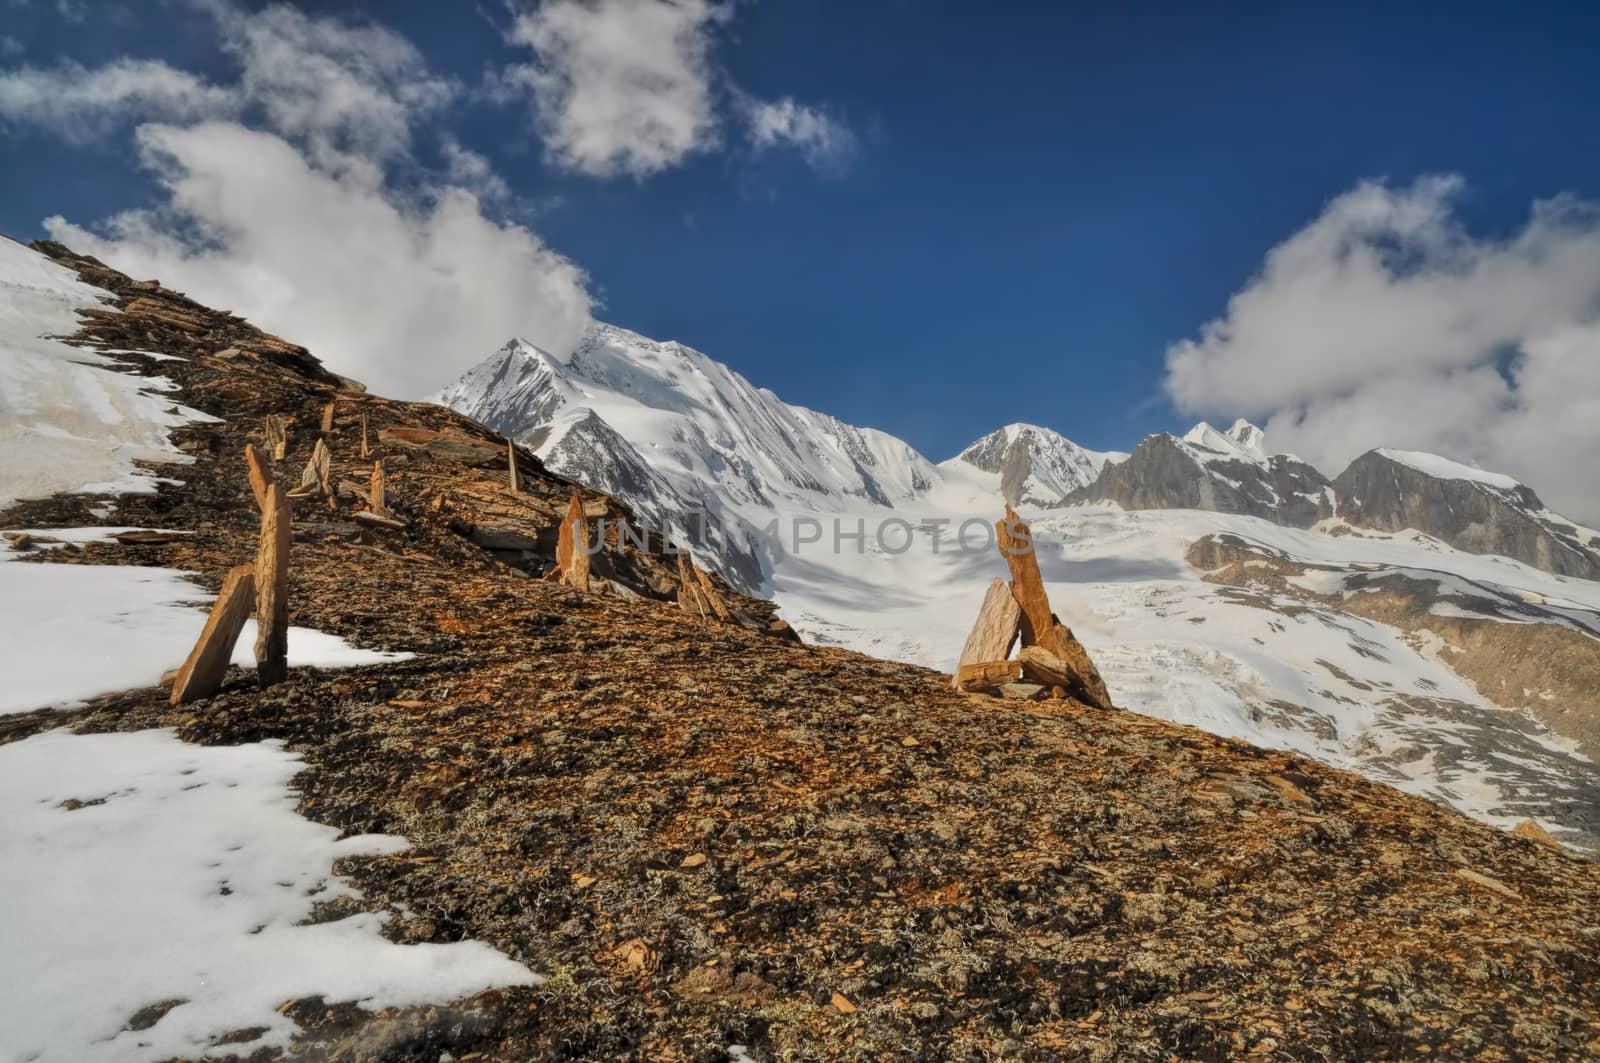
(572, 560)
(277, 437)
(377, 501)
(260, 467)
(203, 671)
(995, 630)
(1040, 626)
(986, 675)
(447, 445)
(1042, 666)
(272, 589)
(708, 591)
(319, 469)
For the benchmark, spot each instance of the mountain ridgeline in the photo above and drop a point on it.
(690, 443)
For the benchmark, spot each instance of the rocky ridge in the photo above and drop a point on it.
(1209, 470)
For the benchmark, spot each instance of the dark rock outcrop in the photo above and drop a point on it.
(1489, 515)
(1165, 472)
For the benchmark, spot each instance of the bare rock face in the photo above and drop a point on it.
(1481, 514)
(1165, 472)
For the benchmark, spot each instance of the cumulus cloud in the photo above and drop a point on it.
(621, 86)
(629, 88)
(825, 143)
(1386, 322)
(293, 197)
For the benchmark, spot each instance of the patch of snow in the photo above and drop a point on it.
(72, 632)
(182, 873)
(69, 421)
(1318, 581)
(1445, 469)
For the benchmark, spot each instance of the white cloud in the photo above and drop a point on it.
(630, 88)
(293, 198)
(80, 105)
(343, 88)
(1385, 322)
(621, 87)
(473, 171)
(403, 297)
(825, 143)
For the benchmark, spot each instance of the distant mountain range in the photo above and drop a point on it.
(685, 440)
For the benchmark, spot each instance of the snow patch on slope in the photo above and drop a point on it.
(68, 420)
(140, 870)
(73, 632)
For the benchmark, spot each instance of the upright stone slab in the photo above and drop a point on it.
(571, 560)
(202, 674)
(1040, 627)
(377, 499)
(995, 631)
(272, 590)
(260, 473)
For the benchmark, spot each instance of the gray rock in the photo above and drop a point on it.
(1379, 492)
(1168, 473)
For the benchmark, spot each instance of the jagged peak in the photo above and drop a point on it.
(1249, 436)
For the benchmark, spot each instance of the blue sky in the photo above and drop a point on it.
(1035, 203)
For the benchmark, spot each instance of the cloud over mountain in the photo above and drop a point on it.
(1386, 321)
(294, 194)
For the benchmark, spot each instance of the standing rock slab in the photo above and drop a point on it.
(1040, 627)
(272, 589)
(202, 674)
(995, 631)
(571, 560)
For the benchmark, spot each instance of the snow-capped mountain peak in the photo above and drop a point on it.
(1037, 466)
(1243, 442)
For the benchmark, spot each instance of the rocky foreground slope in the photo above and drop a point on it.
(706, 836)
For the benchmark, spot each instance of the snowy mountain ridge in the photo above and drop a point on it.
(1037, 466)
(691, 443)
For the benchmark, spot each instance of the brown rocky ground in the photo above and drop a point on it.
(708, 835)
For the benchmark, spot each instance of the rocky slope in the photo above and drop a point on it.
(706, 836)
(1211, 470)
(1472, 510)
